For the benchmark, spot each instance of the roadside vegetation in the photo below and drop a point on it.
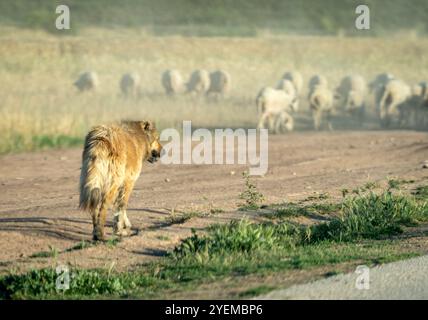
(363, 230)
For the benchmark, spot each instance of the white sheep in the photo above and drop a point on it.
(289, 88)
(416, 113)
(87, 81)
(321, 103)
(316, 80)
(352, 92)
(377, 86)
(130, 84)
(273, 107)
(219, 83)
(380, 80)
(199, 82)
(296, 78)
(172, 82)
(393, 102)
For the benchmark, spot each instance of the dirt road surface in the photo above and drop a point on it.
(39, 194)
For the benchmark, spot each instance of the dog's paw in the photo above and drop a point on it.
(123, 232)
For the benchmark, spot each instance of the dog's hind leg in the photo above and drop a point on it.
(122, 225)
(100, 218)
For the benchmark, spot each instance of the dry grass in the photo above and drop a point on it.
(37, 70)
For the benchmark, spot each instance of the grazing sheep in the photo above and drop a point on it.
(278, 122)
(320, 103)
(377, 87)
(315, 81)
(352, 92)
(287, 86)
(423, 108)
(87, 81)
(273, 107)
(130, 84)
(380, 80)
(393, 103)
(417, 107)
(296, 78)
(172, 82)
(199, 82)
(219, 83)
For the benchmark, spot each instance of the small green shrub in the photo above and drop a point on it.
(421, 192)
(42, 283)
(252, 197)
(237, 236)
(370, 216)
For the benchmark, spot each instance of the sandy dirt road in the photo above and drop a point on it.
(39, 193)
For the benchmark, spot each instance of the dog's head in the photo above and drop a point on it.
(155, 148)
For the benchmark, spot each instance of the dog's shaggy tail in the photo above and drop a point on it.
(94, 178)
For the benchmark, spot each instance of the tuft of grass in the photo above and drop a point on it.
(421, 192)
(394, 184)
(42, 283)
(237, 236)
(251, 196)
(370, 216)
(112, 242)
(52, 253)
(317, 196)
(371, 185)
(163, 237)
(80, 246)
(216, 210)
(345, 192)
(182, 218)
(291, 209)
(256, 291)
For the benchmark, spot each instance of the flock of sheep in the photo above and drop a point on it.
(216, 83)
(395, 102)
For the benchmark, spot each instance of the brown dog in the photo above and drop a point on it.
(111, 163)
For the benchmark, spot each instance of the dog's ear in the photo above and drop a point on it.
(147, 125)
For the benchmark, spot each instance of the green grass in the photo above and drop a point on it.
(18, 142)
(421, 192)
(371, 216)
(157, 280)
(112, 242)
(81, 245)
(186, 216)
(52, 253)
(321, 196)
(291, 209)
(42, 283)
(219, 17)
(256, 291)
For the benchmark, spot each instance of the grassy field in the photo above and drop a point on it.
(222, 17)
(40, 108)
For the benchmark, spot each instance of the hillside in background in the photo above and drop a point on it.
(222, 17)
